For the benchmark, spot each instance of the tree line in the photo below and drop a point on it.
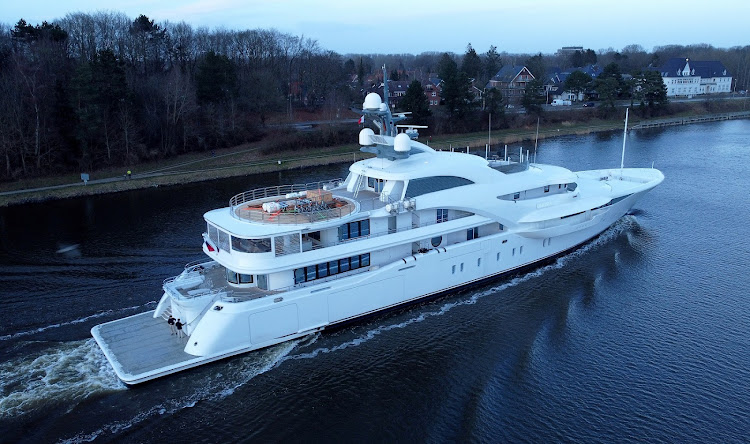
(97, 90)
(105, 90)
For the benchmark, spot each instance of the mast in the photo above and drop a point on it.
(624, 138)
(536, 140)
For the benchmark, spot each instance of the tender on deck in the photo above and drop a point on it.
(141, 348)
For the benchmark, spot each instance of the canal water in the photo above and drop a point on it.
(640, 335)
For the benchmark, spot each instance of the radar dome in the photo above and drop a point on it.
(383, 107)
(402, 143)
(365, 137)
(372, 102)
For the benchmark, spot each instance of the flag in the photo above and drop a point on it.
(361, 120)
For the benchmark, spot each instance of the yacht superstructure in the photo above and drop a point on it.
(408, 223)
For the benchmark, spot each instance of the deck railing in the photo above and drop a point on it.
(279, 191)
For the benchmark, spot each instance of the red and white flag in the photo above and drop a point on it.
(361, 120)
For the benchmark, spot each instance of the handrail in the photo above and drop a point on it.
(280, 190)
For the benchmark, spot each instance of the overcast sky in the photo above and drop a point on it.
(415, 26)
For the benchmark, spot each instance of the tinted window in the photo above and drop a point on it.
(424, 185)
(251, 245)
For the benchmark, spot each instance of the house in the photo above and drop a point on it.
(685, 77)
(511, 81)
(432, 89)
(554, 86)
(396, 91)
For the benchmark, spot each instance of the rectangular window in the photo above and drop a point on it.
(323, 270)
(520, 250)
(453, 269)
(246, 279)
(498, 256)
(365, 260)
(333, 267)
(462, 266)
(251, 245)
(514, 252)
(310, 273)
(299, 275)
(344, 232)
(516, 196)
(213, 234)
(354, 229)
(472, 233)
(442, 215)
(479, 262)
(355, 262)
(546, 188)
(344, 265)
(223, 240)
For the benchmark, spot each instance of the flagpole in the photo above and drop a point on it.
(624, 138)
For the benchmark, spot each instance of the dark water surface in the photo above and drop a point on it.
(641, 335)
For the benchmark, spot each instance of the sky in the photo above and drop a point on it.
(415, 26)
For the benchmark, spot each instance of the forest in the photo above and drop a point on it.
(96, 90)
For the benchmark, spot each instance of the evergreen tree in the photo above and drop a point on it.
(578, 82)
(416, 102)
(536, 65)
(215, 79)
(455, 92)
(653, 91)
(533, 97)
(493, 100)
(492, 62)
(471, 64)
(361, 72)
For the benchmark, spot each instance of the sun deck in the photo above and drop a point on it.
(301, 204)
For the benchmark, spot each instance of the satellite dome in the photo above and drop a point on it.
(365, 137)
(372, 102)
(383, 107)
(402, 143)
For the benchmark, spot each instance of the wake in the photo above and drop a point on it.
(73, 322)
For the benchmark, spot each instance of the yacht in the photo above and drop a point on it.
(407, 223)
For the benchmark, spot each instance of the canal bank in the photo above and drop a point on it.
(250, 159)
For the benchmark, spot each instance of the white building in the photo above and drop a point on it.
(685, 77)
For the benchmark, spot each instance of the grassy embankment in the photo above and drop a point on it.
(255, 157)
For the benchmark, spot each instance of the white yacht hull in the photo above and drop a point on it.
(231, 328)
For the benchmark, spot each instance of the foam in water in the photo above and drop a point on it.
(213, 388)
(70, 371)
(217, 388)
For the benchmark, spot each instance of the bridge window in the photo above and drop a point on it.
(251, 245)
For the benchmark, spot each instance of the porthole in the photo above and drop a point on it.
(436, 241)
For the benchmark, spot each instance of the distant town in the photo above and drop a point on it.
(99, 90)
